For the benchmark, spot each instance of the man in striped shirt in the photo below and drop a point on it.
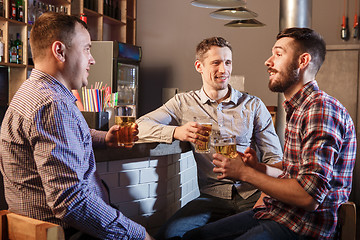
(47, 157)
(318, 160)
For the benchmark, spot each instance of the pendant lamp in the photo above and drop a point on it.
(239, 13)
(245, 23)
(218, 3)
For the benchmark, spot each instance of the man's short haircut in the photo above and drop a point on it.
(204, 46)
(307, 41)
(51, 27)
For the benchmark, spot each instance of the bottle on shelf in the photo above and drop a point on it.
(19, 49)
(19, 10)
(12, 9)
(117, 11)
(1, 47)
(32, 13)
(2, 12)
(12, 51)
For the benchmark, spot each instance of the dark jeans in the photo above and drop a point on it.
(203, 210)
(242, 226)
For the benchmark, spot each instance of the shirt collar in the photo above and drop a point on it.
(58, 86)
(234, 96)
(300, 96)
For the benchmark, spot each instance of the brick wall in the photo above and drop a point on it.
(149, 190)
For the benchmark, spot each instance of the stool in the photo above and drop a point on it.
(15, 226)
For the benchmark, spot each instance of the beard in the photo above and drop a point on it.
(286, 79)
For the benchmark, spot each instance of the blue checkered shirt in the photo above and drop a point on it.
(48, 162)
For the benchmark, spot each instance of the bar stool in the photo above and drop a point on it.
(347, 221)
(15, 226)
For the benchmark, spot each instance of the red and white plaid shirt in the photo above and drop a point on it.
(319, 151)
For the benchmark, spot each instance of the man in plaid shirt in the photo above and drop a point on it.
(318, 161)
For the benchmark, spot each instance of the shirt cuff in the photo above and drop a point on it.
(135, 231)
(167, 134)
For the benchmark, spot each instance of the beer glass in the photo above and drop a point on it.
(225, 145)
(203, 145)
(125, 117)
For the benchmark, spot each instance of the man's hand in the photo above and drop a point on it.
(250, 158)
(230, 168)
(111, 135)
(191, 132)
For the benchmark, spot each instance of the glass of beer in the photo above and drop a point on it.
(225, 145)
(125, 117)
(202, 145)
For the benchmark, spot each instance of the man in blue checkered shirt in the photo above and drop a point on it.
(47, 154)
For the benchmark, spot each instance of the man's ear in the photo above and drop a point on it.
(304, 60)
(58, 50)
(198, 66)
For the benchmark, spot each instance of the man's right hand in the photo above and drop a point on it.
(190, 132)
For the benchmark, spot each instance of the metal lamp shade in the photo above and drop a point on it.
(245, 23)
(239, 13)
(218, 3)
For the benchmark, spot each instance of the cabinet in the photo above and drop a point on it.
(120, 26)
(108, 19)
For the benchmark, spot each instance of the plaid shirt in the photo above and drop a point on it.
(48, 162)
(319, 151)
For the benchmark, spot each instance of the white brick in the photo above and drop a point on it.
(171, 171)
(191, 162)
(111, 179)
(129, 209)
(175, 157)
(183, 164)
(101, 167)
(187, 175)
(148, 175)
(160, 161)
(187, 154)
(186, 199)
(116, 166)
(157, 189)
(147, 206)
(131, 193)
(129, 178)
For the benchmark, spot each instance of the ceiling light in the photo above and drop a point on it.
(245, 23)
(239, 13)
(218, 3)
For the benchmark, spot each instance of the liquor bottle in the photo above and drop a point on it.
(12, 51)
(32, 13)
(1, 47)
(2, 13)
(12, 13)
(19, 49)
(117, 11)
(19, 10)
(106, 7)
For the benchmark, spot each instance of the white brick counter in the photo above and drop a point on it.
(149, 182)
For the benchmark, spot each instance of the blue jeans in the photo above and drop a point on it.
(242, 226)
(203, 210)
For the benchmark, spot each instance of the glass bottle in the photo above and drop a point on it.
(2, 13)
(12, 51)
(19, 10)
(19, 49)
(32, 13)
(12, 8)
